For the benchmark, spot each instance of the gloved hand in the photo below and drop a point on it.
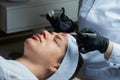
(89, 40)
(61, 23)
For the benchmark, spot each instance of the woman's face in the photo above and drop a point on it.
(46, 48)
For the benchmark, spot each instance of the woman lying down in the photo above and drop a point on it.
(46, 56)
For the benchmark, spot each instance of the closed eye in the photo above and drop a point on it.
(58, 40)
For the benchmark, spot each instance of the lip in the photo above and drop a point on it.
(37, 37)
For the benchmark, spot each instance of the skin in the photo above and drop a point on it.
(43, 53)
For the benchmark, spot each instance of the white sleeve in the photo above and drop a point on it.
(2, 74)
(114, 59)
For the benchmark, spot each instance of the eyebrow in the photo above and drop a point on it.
(59, 37)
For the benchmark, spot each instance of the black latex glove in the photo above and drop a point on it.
(61, 23)
(89, 40)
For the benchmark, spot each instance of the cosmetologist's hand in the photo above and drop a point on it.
(89, 40)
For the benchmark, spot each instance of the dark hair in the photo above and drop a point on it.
(80, 63)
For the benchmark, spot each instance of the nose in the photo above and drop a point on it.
(46, 34)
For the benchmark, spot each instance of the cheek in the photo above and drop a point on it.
(55, 53)
(49, 52)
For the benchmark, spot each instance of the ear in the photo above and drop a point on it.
(54, 68)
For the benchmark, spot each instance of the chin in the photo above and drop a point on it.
(28, 45)
(28, 42)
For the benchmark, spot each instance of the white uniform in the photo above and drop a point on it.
(13, 70)
(103, 16)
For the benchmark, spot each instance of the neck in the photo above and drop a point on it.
(37, 69)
